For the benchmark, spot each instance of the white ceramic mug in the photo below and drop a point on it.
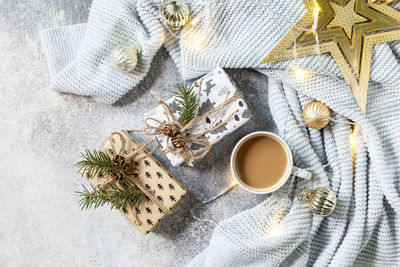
(289, 169)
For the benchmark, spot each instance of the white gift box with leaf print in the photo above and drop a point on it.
(215, 87)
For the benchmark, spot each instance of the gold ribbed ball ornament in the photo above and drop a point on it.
(175, 13)
(322, 200)
(316, 115)
(124, 57)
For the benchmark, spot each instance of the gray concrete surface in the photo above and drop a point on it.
(42, 133)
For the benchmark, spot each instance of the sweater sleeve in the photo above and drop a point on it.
(78, 55)
(60, 45)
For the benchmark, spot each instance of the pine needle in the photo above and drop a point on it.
(116, 196)
(187, 102)
(95, 164)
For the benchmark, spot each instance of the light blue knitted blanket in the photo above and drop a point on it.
(364, 228)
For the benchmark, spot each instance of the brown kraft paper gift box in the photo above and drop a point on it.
(155, 179)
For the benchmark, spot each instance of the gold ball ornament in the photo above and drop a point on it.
(322, 200)
(316, 115)
(175, 13)
(125, 58)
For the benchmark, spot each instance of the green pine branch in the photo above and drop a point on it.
(95, 164)
(187, 102)
(116, 196)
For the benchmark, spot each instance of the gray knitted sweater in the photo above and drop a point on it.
(364, 228)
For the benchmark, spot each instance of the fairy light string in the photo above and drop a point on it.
(299, 73)
(314, 27)
(273, 227)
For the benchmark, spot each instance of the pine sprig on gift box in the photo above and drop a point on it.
(95, 164)
(117, 196)
(187, 102)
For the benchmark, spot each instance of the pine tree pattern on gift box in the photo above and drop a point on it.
(157, 180)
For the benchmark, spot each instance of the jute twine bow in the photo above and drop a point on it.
(124, 168)
(177, 134)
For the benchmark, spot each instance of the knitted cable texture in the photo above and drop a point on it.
(364, 228)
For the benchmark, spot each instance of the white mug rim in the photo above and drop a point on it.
(282, 180)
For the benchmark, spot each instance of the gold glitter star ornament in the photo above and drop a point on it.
(347, 29)
(345, 17)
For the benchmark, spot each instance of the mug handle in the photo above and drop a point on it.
(302, 173)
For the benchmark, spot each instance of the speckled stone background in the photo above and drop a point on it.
(42, 133)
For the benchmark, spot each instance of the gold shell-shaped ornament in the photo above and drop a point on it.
(125, 58)
(175, 13)
(322, 200)
(316, 115)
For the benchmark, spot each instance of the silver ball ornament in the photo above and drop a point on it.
(125, 58)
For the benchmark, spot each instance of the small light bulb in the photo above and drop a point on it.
(317, 9)
(300, 73)
(276, 230)
(353, 139)
(196, 41)
(195, 21)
